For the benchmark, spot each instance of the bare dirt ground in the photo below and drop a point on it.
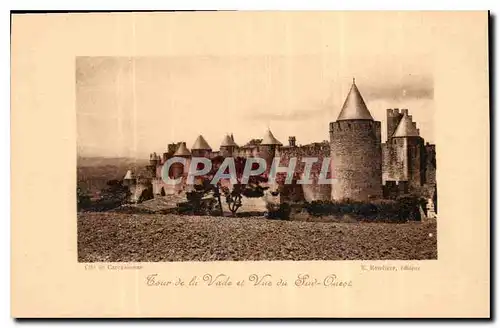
(114, 237)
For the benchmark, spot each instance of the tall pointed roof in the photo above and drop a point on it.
(228, 141)
(269, 139)
(182, 150)
(406, 128)
(201, 144)
(354, 106)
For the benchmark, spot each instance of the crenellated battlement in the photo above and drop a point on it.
(393, 112)
(396, 111)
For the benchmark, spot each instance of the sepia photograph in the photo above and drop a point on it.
(250, 164)
(232, 158)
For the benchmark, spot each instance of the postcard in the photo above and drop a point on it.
(250, 164)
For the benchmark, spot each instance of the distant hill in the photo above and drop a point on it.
(113, 161)
(93, 173)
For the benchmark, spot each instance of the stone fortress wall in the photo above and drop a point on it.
(362, 167)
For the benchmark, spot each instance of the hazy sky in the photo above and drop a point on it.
(131, 106)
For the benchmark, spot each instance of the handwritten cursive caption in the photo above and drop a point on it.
(254, 280)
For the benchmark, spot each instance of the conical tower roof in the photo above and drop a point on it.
(182, 150)
(406, 128)
(128, 175)
(201, 144)
(354, 106)
(228, 142)
(269, 139)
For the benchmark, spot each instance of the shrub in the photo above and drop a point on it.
(409, 206)
(400, 210)
(83, 199)
(282, 212)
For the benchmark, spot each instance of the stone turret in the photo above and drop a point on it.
(268, 147)
(407, 153)
(393, 118)
(178, 169)
(182, 151)
(154, 159)
(356, 152)
(129, 179)
(406, 128)
(201, 148)
(228, 146)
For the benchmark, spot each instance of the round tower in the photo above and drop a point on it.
(177, 169)
(356, 152)
(267, 148)
(410, 153)
(154, 161)
(228, 146)
(201, 148)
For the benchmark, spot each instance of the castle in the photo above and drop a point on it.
(363, 167)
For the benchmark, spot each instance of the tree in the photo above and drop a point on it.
(114, 195)
(83, 200)
(206, 197)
